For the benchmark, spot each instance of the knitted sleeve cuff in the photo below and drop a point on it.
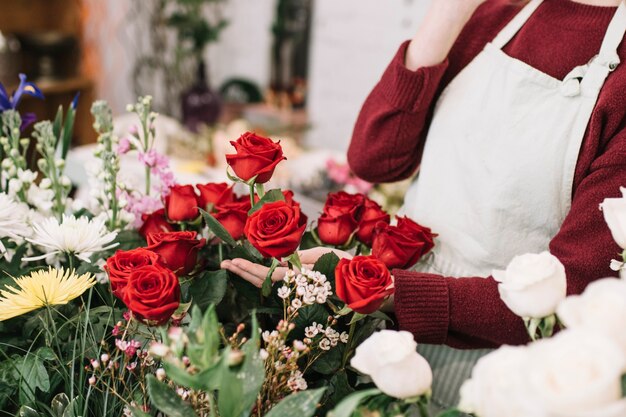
(422, 305)
(410, 91)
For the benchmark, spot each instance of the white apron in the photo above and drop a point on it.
(498, 165)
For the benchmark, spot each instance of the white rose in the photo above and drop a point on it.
(390, 358)
(576, 373)
(532, 285)
(497, 387)
(614, 210)
(601, 307)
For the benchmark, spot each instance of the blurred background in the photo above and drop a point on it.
(296, 70)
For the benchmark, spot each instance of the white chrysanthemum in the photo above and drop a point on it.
(79, 237)
(13, 220)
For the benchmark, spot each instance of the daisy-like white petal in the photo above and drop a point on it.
(41, 288)
(80, 237)
(13, 219)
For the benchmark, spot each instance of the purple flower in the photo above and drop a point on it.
(11, 102)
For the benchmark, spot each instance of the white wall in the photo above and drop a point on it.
(352, 42)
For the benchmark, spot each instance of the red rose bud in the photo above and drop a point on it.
(255, 156)
(155, 223)
(403, 245)
(372, 214)
(182, 203)
(340, 219)
(276, 229)
(179, 250)
(233, 216)
(215, 194)
(152, 294)
(120, 266)
(363, 283)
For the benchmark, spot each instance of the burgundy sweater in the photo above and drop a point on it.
(389, 137)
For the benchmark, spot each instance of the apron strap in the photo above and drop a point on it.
(515, 24)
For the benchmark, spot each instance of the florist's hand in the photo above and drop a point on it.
(256, 274)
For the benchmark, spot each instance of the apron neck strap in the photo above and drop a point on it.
(613, 37)
(515, 24)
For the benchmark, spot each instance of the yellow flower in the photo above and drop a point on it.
(41, 288)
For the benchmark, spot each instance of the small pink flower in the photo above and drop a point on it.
(131, 366)
(123, 147)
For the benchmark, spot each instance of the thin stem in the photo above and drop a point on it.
(346, 353)
(423, 410)
(147, 180)
(220, 250)
(252, 195)
(260, 190)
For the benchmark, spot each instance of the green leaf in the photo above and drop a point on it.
(57, 125)
(166, 400)
(270, 197)
(217, 228)
(338, 389)
(138, 413)
(350, 403)
(451, 413)
(240, 386)
(72, 409)
(623, 385)
(205, 339)
(266, 289)
(326, 265)
(309, 314)
(32, 375)
(329, 362)
(68, 131)
(59, 403)
(301, 404)
(26, 411)
(209, 288)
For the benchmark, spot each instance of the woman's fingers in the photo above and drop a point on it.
(235, 269)
(255, 273)
(310, 256)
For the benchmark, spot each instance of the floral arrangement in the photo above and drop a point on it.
(135, 304)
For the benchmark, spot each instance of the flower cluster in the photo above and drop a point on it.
(307, 287)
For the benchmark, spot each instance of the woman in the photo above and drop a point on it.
(514, 114)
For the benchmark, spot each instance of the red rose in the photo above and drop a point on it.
(155, 223)
(120, 266)
(276, 228)
(340, 219)
(152, 294)
(233, 216)
(215, 194)
(372, 214)
(363, 283)
(179, 250)
(256, 155)
(182, 203)
(403, 245)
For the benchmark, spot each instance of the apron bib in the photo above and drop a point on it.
(498, 166)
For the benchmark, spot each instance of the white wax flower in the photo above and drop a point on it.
(601, 307)
(497, 387)
(390, 358)
(614, 210)
(532, 285)
(576, 373)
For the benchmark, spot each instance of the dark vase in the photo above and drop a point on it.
(200, 104)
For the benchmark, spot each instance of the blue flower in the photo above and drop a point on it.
(10, 102)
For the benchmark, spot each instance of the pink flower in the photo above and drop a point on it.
(129, 348)
(123, 147)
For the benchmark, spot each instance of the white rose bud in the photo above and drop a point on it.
(160, 374)
(602, 307)
(390, 358)
(614, 210)
(159, 350)
(532, 285)
(576, 373)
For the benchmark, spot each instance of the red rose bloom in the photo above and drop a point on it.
(155, 223)
(372, 214)
(340, 219)
(152, 294)
(256, 155)
(179, 250)
(276, 228)
(403, 245)
(120, 266)
(182, 203)
(233, 216)
(363, 283)
(215, 194)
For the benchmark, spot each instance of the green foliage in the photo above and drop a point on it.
(326, 264)
(301, 404)
(271, 196)
(166, 400)
(32, 374)
(209, 288)
(352, 402)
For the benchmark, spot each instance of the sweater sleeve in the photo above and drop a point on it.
(388, 137)
(468, 312)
